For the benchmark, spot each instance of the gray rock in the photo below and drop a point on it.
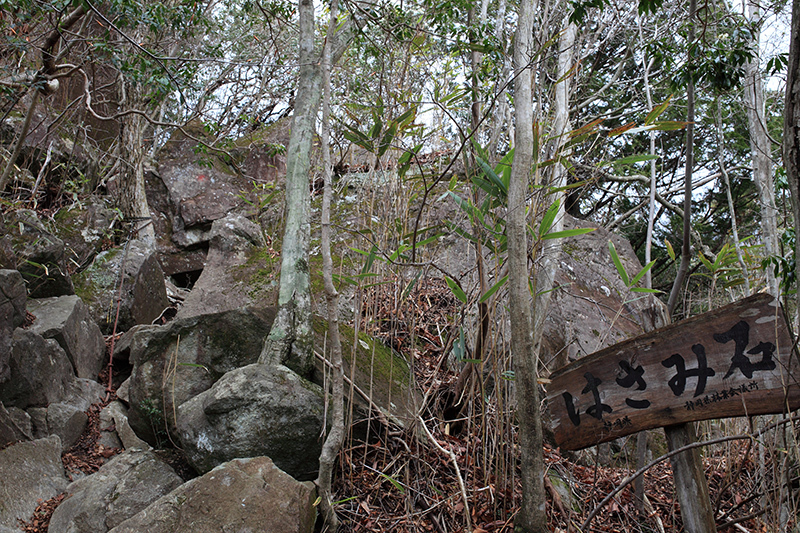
(13, 297)
(66, 421)
(121, 488)
(38, 417)
(144, 294)
(175, 362)
(229, 280)
(31, 471)
(123, 391)
(252, 411)
(40, 256)
(199, 194)
(40, 372)
(115, 416)
(83, 393)
(15, 425)
(593, 309)
(66, 319)
(68, 417)
(246, 495)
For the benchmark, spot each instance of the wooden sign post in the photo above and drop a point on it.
(735, 361)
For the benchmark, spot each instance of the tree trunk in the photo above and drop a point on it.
(291, 339)
(532, 517)
(760, 149)
(686, 254)
(791, 132)
(690, 481)
(333, 442)
(132, 196)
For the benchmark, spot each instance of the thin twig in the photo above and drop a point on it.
(453, 458)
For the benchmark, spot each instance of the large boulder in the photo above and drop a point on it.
(40, 372)
(253, 411)
(187, 192)
(143, 294)
(177, 361)
(15, 425)
(30, 472)
(121, 488)
(39, 255)
(13, 297)
(67, 417)
(234, 274)
(66, 319)
(592, 308)
(246, 495)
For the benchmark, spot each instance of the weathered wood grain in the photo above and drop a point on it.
(734, 361)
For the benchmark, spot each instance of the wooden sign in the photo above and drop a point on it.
(735, 361)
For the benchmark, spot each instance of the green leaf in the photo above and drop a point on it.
(567, 233)
(457, 291)
(706, 262)
(668, 125)
(657, 110)
(617, 263)
(370, 259)
(494, 178)
(548, 218)
(645, 290)
(388, 137)
(631, 159)
(670, 249)
(493, 289)
(642, 272)
(411, 285)
(394, 482)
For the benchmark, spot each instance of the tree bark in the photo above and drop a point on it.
(532, 517)
(333, 442)
(690, 481)
(760, 149)
(132, 196)
(686, 252)
(791, 132)
(291, 339)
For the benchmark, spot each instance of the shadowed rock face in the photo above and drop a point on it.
(247, 495)
(252, 411)
(31, 472)
(66, 319)
(175, 362)
(120, 489)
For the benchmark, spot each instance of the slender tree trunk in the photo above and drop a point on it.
(691, 485)
(291, 339)
(333, 442)
(532, 517)
(686, 253)
(727, 183)
(791, 134)
(760, 149)
(132, 196)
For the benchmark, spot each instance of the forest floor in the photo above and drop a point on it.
(400, 482)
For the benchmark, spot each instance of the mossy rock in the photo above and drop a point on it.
(379, 372)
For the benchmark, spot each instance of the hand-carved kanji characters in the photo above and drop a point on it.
(678, 382)
(740, 335)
